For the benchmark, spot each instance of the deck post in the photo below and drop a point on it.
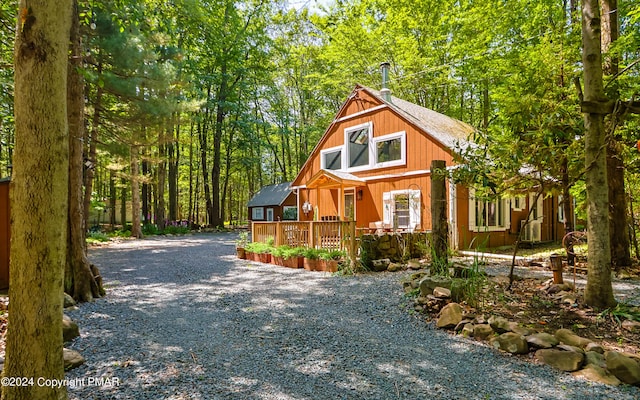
(352, 244)
(312, 235)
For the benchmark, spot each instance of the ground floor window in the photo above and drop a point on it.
(402, 209)
(257, 213)
(290, 213)
(488, 214)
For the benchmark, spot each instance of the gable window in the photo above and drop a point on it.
(518, 203)
(488, 214)
(257, 213)
(331, 158)
(402, 209)
(390, 150)
(359, 147)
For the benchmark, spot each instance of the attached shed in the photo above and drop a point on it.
(274, 203)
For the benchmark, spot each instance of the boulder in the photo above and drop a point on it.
(450, 316)
(414, 264)
(482, 331)
(394, 267)
(567, 336)
(597, 374)
(442, 293)
(595, 347)
(467, 330)
(511, 343)
(560, 359)
(428, 283)
(595, 358)
(499, 324)
(542, 340)
(68, 301)
(380, 265)
(566, 347)
(623, 367)
(70, 329)
(72, 359)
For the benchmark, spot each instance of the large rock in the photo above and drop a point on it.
(70, 329)
(595, 358)
(623, 367)
(381, 265)
(482, 331)
(560, 359)
(630, 325)
(442, 293)
(596, 347)
(542, 340)
(428, 283)
(511, 343)
(467, 330)
(567, 336)
(499, 324)
(450, 316)
(596, 374)
(72, 359)
(68, 301)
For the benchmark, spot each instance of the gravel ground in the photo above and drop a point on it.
(185, 319)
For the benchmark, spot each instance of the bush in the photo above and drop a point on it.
(176, 230)
(97, 237)
(150, 229)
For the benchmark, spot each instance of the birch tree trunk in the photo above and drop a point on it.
(599, 292)
(39, 198)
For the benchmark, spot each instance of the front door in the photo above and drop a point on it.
(269, 214)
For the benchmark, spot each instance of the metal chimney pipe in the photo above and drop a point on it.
(385, 92)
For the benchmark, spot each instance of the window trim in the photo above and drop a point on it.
(347, 155)
(402, 135)
(254, 214)
(415, 208)
(284, 212)
(506, 214)
(323, 164)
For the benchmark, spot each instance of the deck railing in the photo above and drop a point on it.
(329, 235)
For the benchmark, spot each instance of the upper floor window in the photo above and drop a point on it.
(358, 146)
(390, 149)
(331, 158)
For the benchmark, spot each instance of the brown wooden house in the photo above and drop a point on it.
(274, 203)
(372, 166)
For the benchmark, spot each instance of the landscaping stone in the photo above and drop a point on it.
(442, 293)
(68, 301)
(72, 359)
(381, 264)
(511, 343)
(542, 340)
(429, 283)
(450, 316)
(594, 347)
(595, 373)
(482, 331)
(467, 330)
(595, 358)
(630, 325)
(560, 359)
(567, 336)
(623, 367)
(70, 329)
(394, 267)
(499, 324)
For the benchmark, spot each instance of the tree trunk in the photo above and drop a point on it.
(439, 213)
(79, 280)
(39, 199)
(161, 217)
(112, 198)
(123, 203)
(618, 226)
(598, 292)
(172, 155)
(205, 173)
(91, 150)
(136, 231)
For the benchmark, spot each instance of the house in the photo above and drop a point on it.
(274, 203)
(372, 165)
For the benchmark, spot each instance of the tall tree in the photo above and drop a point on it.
(39, 198)
(598, 292)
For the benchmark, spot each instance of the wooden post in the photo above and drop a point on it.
(556, 267)
(352, 244)
(440, 229)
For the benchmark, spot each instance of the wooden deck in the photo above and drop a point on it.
(329, 235)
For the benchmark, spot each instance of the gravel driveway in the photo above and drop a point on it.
(185, 319)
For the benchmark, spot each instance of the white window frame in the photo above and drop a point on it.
(270, 214)
(347, 157)
(538, 214)
(518, 203)
(561, 216)
(323, 164)
(402, 135)
(415, 206)
(257, 214)
(506, 215)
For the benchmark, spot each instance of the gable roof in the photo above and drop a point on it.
(333, 179)
(448, 131)
(271, 195)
